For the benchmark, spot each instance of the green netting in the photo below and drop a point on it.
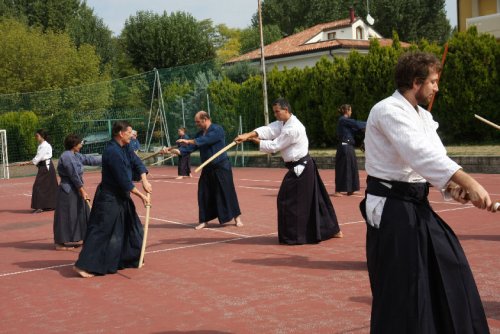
(165, 98)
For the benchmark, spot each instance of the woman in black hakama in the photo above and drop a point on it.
(72, 212)
(346, 163)
(184, 167)
(305, 211)
(44, 193)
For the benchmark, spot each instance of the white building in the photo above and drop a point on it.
(305, 48)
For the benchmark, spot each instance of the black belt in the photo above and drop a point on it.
(301, 161)
(405, 191)
(43, 163)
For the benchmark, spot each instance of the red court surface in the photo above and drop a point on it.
(222, 279)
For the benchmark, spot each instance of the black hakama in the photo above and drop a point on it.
(71, 216)
(44, 193)
(346, 169)
(184, 168)
(305, 211)
(216, 193)
(114, 234)
(420, 279)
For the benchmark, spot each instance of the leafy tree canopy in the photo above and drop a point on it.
(411, 19)
(71, 16)
(31, 60)
(160, 41)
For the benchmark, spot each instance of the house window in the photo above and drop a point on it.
(359, 33)
(331, 35)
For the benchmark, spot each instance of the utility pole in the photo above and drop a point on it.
(263, 66)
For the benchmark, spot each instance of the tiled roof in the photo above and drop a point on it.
(295, 44)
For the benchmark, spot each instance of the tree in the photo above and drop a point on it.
(71, 16)
(292, 16)
(227, 42)
(46, 14)
(31, 60)
(160, 41)
(250, 37)
(86, 28)
(411, 19)
(469, 84)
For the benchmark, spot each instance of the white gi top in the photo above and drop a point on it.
(290, 138)
(403, 145)
(44, 152)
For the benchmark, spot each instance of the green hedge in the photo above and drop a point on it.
(21, 128)
(470, 84)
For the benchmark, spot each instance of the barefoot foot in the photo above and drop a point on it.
(82, 273)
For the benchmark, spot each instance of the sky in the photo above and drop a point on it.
(233, 13)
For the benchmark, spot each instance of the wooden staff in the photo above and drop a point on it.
(146, 224)
(214, 156)
(496, 126)
(496, 206)
(167, 158)
(445, 52)
(87, 200)
(153, 155)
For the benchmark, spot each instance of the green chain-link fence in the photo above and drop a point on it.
(156, 103)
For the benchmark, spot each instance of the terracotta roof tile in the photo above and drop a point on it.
(295, 44)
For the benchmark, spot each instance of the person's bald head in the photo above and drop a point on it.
(202, 120)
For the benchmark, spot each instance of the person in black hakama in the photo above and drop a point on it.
(305, 211)
(44, 193)
(72, 212)
(184, 167)
(346, 164)
(114, 234)
(419, 275)
(216, 192)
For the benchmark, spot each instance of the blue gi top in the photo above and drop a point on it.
(347, 128)
(209, 143)
(120, 165)
(70, 168)
(185, 149)
(134, 144)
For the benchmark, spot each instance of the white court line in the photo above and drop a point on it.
(253, 180)
(190, 225)
(258, 188)
(196, 245)
(209, 243)
(37, 269)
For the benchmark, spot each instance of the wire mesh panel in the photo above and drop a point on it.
(4, 156)
(156, 103)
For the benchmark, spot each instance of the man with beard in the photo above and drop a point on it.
(419, 275)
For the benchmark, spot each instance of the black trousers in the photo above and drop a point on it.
(216, 193)
(420, 279)
(114, 234)
(346, 169)
(305, 211)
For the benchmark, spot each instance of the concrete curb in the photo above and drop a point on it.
(471, 164)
